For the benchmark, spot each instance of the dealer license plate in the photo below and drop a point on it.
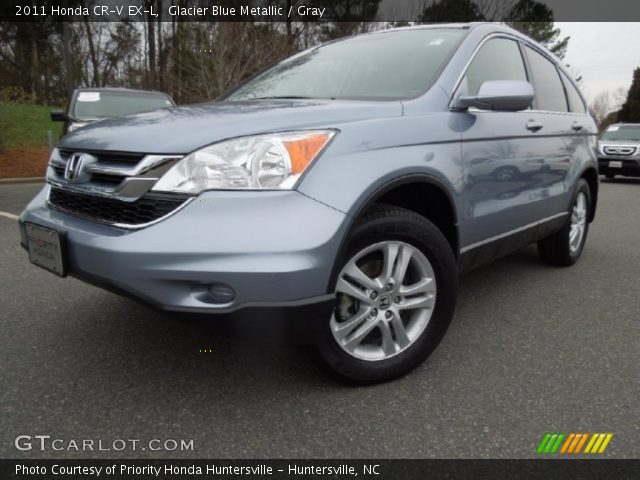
(45, 248)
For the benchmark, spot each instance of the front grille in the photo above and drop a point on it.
(619, 150)
(148, 208)
(110, 179)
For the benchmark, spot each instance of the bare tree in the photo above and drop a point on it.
(600, 106)
(605, 103)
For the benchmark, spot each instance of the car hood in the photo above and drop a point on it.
(181, 130)
(619, 142)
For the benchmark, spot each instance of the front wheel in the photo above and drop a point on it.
(395, 296)
(564, 247)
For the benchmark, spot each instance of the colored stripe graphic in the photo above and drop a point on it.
(556, 445)
(606, 441)
(581, 442)
(565, 447)
(573, 443)
(543, 443)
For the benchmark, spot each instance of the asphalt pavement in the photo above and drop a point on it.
(532, 349)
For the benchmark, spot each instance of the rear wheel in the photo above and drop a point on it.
(564, 247)
(395, 296)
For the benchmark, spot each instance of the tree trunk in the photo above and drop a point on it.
(35, 68)
(92, 53)
(67, 60)
(151, 44)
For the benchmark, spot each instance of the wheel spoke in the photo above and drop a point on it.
(425, 301)
(400, 331)
(388, 345)
(404, 257)
(574, 234)
(423, 286)
(348, 288)
(361, 332)
(353, 272)
(342, 329)
(390, 253)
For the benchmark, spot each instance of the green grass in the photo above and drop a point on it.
(26, 126)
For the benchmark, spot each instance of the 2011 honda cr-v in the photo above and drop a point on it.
(349, 184)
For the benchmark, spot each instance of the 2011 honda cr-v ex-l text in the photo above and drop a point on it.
(349, 185)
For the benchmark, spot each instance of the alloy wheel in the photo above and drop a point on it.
(578, 222)
(386, 295)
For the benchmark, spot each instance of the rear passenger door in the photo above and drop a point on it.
(510, 158)
(560, 108)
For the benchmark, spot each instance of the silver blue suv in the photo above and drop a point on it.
(343, 189)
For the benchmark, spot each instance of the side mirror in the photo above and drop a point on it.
(58, 116)
(499, 95)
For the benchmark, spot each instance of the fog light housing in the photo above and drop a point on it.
(213, 293)
(221, 293)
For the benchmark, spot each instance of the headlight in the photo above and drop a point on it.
(272, 161)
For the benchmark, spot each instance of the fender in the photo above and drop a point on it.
(366, 200)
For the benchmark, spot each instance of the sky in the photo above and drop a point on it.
(604, 53)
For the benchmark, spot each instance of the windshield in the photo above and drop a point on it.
(92, 105)
(394, 65)
(619, 132)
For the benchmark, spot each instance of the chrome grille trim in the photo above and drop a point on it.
(624, 150)
(124, 181)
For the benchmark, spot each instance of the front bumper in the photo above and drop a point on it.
(274, 249)
(630, 166)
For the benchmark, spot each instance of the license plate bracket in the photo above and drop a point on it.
(615, 164)
(46, 248)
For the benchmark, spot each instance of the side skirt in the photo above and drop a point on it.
(492, 248)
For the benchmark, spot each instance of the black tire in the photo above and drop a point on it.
(555, 248)
(386, 223)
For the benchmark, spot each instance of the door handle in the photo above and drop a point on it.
(534, 126)
(576, 126)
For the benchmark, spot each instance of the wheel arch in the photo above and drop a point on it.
(591, 177)
(402, 192)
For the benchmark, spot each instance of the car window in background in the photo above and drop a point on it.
(622, 132)
(394, 65)
(93, 105)
(546, 80)
(575, 100)
(498, 59)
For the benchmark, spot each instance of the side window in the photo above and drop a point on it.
(546, 81)
(575, 100)
(498, 59)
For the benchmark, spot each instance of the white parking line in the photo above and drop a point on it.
(9, 215)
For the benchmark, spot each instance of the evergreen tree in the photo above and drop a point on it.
(630, 111)
(452, 11)
(535, 19)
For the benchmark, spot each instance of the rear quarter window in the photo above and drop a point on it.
(576, 104)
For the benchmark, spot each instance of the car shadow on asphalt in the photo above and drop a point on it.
(622, 180)
(134, 342)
